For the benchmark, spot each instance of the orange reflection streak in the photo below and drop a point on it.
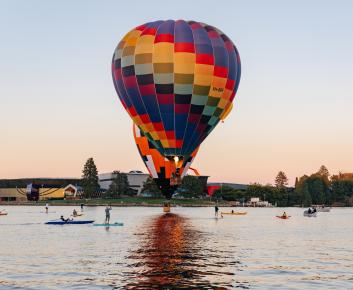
(167, 254)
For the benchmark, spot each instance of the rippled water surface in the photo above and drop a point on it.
(187, 249)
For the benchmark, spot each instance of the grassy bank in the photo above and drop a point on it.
(126, 201)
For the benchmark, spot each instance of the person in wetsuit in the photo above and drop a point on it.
(107, 214)
(216, 209)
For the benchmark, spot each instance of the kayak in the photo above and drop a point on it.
(78, 214)
(306, 213)
(60, 222)
(235, 213)
(283, 217)
(3, 213)
(109, 225)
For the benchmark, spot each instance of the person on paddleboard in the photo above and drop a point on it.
(107, 214)
(216, 209)
(46, 207)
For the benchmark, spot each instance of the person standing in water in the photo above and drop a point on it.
(46, 208)
(216, 209)
(107, 214)
(81, 206)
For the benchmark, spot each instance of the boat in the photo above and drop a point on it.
(235, 213)
(283, 217)
(78, 214)
(3, 213)
(323, 209)
(116, 224)
(70, 222)
(312, 214)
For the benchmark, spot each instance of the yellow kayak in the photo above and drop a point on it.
(78, 214)
(235, 213)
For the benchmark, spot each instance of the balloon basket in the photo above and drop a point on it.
(166, 207)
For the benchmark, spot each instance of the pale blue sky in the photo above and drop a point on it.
(293, 110)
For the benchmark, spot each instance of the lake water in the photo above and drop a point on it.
(187, 249)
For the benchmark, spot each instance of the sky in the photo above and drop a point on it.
(292, 112)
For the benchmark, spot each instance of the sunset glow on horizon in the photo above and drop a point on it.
(292, 111)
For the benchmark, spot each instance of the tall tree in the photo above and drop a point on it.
(296, 182)
(306, 197)
(90, 183)
(191, 186)
(323, 171)
(151, 187)
(120, 185)
(281, 180)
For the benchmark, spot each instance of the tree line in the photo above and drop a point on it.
(190, 187)
(317, 188)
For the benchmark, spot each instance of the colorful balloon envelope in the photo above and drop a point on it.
(166, 173)
(177, 80)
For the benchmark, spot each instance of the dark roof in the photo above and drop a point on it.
(48, 182)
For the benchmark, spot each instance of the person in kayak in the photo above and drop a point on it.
(216, 209)
(74, 213)
(310, 211)
(284, 215)
(107, 214)
(64, 220)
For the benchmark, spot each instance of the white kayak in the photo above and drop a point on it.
(306, 213)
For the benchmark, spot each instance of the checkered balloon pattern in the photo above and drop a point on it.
(176, 79)
(159, 167)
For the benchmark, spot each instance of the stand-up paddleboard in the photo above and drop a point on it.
(60, 222)
(109, 225)
(235, 213)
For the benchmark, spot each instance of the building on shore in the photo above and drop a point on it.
(23, 189)
(213, 186)
(135, 178)
(342, 176)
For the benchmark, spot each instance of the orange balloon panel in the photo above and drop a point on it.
(159, 166)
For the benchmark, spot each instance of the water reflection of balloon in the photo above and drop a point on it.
(177, 80)
(168, 254)
(161, 169)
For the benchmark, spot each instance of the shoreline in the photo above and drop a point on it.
(124, 202)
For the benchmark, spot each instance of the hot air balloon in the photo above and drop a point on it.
(176, 80)
(162, 170)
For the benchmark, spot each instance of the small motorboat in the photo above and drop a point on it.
(310, 214)
(323, 209)
(235, 213)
